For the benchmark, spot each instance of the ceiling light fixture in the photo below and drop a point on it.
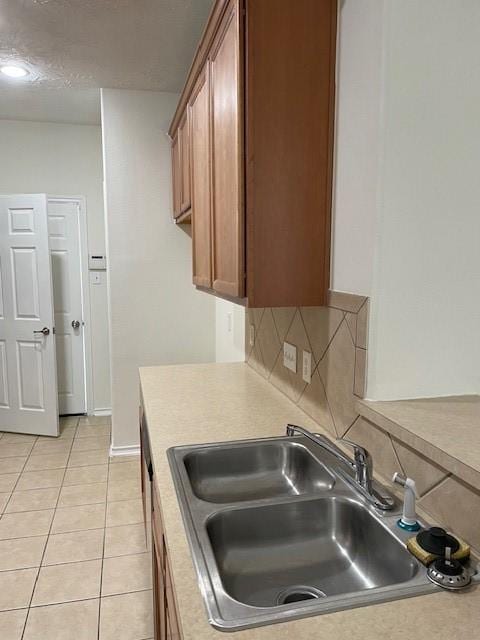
(12, 71)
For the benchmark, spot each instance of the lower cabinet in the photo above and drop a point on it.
(165, 615)
(165, 610)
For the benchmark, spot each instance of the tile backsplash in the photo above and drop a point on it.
(335, 335)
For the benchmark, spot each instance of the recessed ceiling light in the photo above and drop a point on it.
(12, 71)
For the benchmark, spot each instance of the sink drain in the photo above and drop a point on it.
(298, 593)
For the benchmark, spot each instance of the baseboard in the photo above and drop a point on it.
(102, 412)
(124, 451)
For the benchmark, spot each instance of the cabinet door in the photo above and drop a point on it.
(184, 142)
(159, 599)
(227, 153)
(173, 629)
(199, 106)
(176, 172)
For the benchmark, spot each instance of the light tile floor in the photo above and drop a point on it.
(73, 560)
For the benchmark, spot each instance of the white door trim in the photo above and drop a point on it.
(80, 201)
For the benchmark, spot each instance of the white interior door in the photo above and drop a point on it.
(64, 234)
(28, 376)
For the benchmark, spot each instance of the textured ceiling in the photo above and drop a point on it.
(85, 44)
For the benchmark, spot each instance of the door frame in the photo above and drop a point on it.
(81, 203)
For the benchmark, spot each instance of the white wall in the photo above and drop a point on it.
(357, 144)
(157, 316)
(426, 302)
(66, 160)
(229, 331)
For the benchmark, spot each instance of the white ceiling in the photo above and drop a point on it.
(74, 46)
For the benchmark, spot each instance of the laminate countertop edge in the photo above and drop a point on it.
(188, 404)
(445, 430)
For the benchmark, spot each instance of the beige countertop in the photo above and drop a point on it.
(188, 404)
(446, 430)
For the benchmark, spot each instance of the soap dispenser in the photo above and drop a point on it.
(408, 521)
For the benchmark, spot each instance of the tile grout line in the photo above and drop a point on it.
(17, 480)
(47, 539)
(55, 604)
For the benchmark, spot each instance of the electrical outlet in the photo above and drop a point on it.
(229, 322)
(290, 356)
(251, 335)
(307, 367)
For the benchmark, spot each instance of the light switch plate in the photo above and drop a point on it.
(290, 356)
(251, 335)
(307, 367)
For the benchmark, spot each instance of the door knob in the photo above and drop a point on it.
(45, 331)
(76, 324)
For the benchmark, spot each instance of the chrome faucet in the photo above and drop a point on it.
(362, 464)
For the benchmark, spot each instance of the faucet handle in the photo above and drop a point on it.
(363, 464)
(360, 453)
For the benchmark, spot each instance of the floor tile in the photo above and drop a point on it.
(12, 623)
(127, 616)
(95, 420)
(69, 421)
(7, 481)
(18, 438)
(15, 449)
(47, 461)
(33, 500)
(4, 497)
(127, 540)
(124, 512)
(119, 459)
(67, 582)
(78, 494)
(67, 435)
(72, 620)
(92, 431)
(88, 458)
(90, 516)
(26, 524)
(74, 547)
(86, 475)
(91, 444)
(11, 465)
(21, 553)
(40, 479)
(124, 471)
(16, 588)
(126, 573)
(124, 489)
(51, 446)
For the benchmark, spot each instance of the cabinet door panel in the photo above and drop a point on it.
(176, 177)
(159, 599)
(201, 181)
(227, 153)
(184, 141)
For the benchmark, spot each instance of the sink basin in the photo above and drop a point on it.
(278, 531)
(232, 474)
(276, 554)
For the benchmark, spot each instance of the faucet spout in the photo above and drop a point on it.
(362, 464)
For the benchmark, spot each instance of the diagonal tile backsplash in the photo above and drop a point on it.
(335, 335)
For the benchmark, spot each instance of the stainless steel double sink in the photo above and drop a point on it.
(277, 531)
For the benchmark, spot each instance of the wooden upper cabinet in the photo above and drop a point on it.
(290, 104)
(227, 156)
(176, 189)
(271, 66)
(199, 107)
(184, 141)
